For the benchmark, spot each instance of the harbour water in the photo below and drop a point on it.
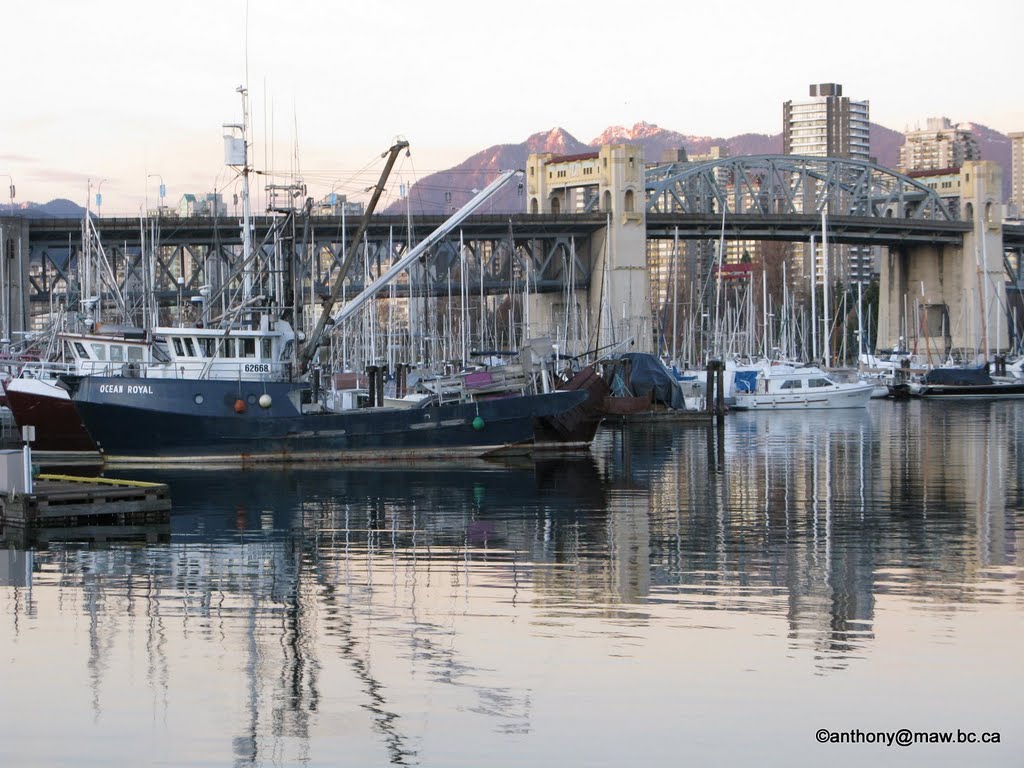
(680, 596)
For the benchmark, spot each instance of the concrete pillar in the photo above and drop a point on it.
(611, 181)
(936, 299)
(14, 303)
(982, 272)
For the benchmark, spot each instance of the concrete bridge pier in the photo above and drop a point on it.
(937, 300)
(14, 279)
(616, 306)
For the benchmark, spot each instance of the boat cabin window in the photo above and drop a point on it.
(265, 349)
(190, 348)
(178, 349)
(135, 354)
(208, 346)
(792, 384)
(247, 347)
(116, 353)
(819, 383)
(80, 351)
(99, 351)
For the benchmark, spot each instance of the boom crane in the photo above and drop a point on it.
(311, 346)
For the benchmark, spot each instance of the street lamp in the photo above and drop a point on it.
(162, 191)
(99, 199)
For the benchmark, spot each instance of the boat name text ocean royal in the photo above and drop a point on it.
(120, 389)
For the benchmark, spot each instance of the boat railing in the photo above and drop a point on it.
(45, 369)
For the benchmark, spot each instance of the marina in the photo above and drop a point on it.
(737, 589)
(356, 409)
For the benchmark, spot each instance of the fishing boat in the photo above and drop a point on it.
(36, 397)
(781, 386)
(965, 383)
(272, 408)
(208, 420)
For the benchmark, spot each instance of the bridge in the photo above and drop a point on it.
(583, 248)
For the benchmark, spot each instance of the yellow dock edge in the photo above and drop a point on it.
(98, 481)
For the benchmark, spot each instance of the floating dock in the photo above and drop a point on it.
(67, 502)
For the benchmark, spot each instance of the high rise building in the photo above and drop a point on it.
(940, 145)
(1017, 175)
(829, 124)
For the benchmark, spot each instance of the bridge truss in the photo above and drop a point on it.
(767, 185)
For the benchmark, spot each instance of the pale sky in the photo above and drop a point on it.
(113, 91)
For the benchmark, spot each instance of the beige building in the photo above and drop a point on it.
(946, 184)
(939, 145)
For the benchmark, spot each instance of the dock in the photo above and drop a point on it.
(68, 502)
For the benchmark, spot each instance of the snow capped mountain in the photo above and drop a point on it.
(445, 191)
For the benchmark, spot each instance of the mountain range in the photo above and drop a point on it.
(445, 191)
(449, 189)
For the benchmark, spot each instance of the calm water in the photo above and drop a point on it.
(672, 599)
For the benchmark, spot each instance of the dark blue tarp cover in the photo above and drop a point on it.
(959, 376)
(647, 373)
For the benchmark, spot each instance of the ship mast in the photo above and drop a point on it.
(236, 155)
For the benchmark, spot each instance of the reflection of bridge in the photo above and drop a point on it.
(763, 198)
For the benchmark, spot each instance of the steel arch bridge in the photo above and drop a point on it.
(791, 185)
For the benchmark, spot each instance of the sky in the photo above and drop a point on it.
(117, 97)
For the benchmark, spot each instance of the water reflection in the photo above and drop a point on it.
(309, 595)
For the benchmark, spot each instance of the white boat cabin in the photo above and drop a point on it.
(188, 353)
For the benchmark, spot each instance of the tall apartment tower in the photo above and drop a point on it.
(829, 124)
(941, 145)
(1017, 174)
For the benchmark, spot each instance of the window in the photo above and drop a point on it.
(265, 349)
(99, 351)
(819, 383)
(190, 348)
(116, 353)
(178, 351)
(80, 351)
(208, 346)
(248, 347)
(792, 384)
(135, 354)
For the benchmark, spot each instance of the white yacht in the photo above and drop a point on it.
(782, 386)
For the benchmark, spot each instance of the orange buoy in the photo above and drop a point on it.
(239, 405)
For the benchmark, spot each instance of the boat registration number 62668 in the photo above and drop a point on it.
(257, 368)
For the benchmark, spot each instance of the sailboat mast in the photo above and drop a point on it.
(826, 314)
(814, 302)
(675, 297)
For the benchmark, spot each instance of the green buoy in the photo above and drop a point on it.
(478, 423)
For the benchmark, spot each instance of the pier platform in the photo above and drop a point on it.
(67, 502)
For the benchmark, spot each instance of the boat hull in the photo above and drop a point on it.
(852, 397)
(223, 421)
(968, 391)
(49, 409)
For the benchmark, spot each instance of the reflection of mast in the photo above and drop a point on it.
(385, 721)
(298, 687)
